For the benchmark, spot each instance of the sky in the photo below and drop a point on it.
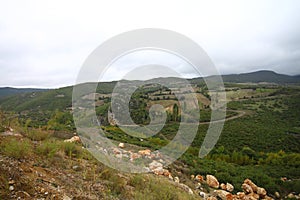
(43, 44)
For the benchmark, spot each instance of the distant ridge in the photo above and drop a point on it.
(261, 76)
(7, 91)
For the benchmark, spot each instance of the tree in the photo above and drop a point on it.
(175, 112)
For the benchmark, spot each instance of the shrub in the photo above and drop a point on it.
(16, 148)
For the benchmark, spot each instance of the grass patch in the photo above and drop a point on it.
(37, 134)
(149, 188)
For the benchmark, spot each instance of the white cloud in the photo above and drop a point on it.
(44, 43)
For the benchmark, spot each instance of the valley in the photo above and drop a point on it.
(259, 141)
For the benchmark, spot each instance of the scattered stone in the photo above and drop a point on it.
(11, 182)
(176, 179)
(192, 177)
(277, 195)
(121, 145)
(212, 181)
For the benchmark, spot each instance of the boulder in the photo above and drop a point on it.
(247, 188)
(222, 194)
(251, 184)
(199, 178)
(241, 195)
(212, 181)
(230, 196)
(249, 197)
(261, 192)
(253, 196)
(229, 187)
(223, 186)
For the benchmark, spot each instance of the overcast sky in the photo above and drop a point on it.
(44, 43)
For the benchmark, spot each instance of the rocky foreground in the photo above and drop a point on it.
(68, 177)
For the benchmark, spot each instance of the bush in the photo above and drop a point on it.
(48, 148)
(71, 149)
(16, 148)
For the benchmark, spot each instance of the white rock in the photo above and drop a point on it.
(11, 188)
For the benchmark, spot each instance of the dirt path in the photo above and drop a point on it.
(241, 113)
